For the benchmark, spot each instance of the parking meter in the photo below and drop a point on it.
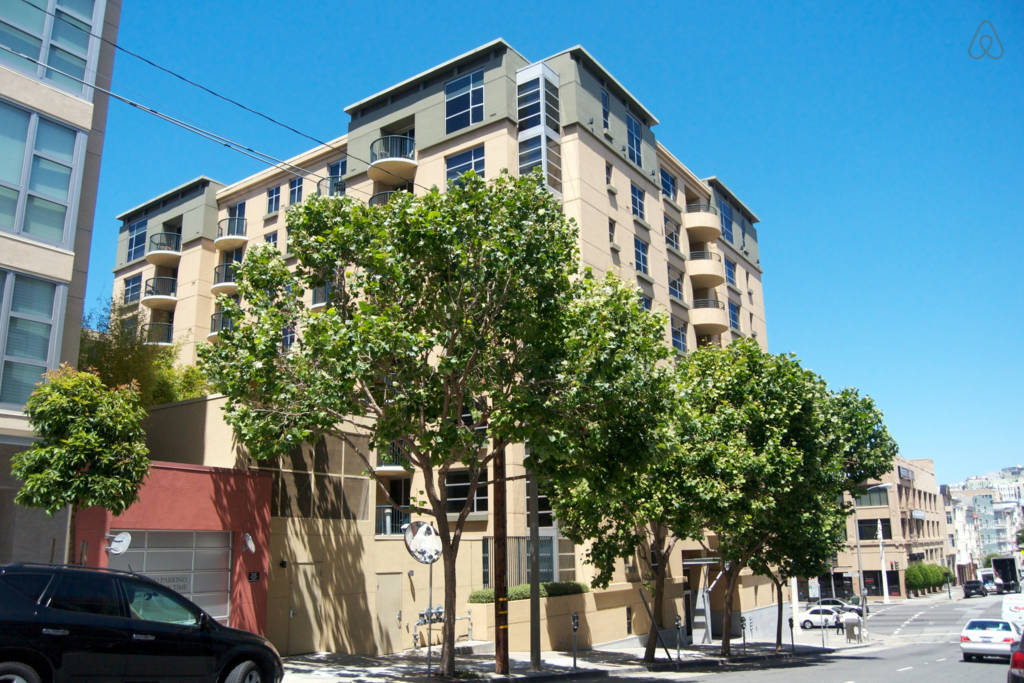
(575, 622)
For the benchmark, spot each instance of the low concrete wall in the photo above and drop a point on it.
(760, 624)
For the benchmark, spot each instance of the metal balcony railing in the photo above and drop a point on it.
(392, 147)
(705, 255)
(394, 456)
(331, 186)
(220, 322)
(697, 207)
(708, 303)
(390, 519)
(231, 227)
(162, 286)
(382, 198)
(165, 241)
(157, 333)
(225, 272)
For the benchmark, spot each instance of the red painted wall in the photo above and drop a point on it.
(179, 497)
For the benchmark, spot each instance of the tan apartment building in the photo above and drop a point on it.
(334, 544)
(909, 508)
(52, 125)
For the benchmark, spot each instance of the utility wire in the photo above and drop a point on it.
(213, 93)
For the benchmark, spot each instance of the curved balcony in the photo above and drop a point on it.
(705, 269)
(392, 159)
(164, 249)
(224, 279)
(382, 198)
(158, 334)
(161, 293)
(331, 186)
(393, 461)
(708, 316)
(218, 323)
(702, 222)
(230, 234)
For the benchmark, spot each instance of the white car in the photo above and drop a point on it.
(817, 617)
(837, 604)
(988, 637)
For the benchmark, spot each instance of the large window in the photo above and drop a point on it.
(730, 272)
(457, 485)
(637, 200)
(640, 255)
(470, 160)
(668, 184)
(336, 178)
(136, 240)
(464, 101)
(604, 109)
(678, 334)
(725, 211)
(867, 529)
(54, 32)
(529, 104)
(29, 313)
(734, 315)
(273, 200)
(295, 190)
(633, 139)
(876, 497)
(671, 234)
(675, 284)
(132, 288)
(37, 174)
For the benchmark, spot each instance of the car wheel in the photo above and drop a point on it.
(246, 672)
(967, 657)
(807, 624)
(16, 672)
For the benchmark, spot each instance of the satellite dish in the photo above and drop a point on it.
(248, 543)
(119, 543)
(423, 543)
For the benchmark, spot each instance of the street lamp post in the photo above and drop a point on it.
(860, 563)
(885, 574)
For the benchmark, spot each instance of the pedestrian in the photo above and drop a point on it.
(839, 625)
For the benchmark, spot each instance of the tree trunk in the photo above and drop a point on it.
(778, 622)
(730, 582)
(658, 600)
(446, 666)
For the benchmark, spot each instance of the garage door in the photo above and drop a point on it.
(197, 564)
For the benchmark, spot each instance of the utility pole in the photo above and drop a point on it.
(532, 497)
(500, 565)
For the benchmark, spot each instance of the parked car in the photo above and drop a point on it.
(988, 637)
(1016, 672)
(840, 605)
(61, 623)
(974, 588)
(817, 617)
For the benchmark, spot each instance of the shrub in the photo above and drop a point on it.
(522, 591)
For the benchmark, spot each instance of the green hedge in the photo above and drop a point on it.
(522, 591)
(923, 576)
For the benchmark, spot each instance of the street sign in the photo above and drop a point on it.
(813, 589)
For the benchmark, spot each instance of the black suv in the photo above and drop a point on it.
(63, 623)
(974, 588)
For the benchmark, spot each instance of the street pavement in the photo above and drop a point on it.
(912, 640)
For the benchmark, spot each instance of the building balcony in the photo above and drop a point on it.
(392, 160)
(158, 334)
(231, 234)
(331, 186)
(382, 198)
(218, 323)
(390, 520)
(224, 279)
(164, 249)
(702, 222)
(705, 269)
(708, 316)
(161, 293)
(393, 461)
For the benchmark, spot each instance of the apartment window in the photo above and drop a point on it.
(529, 104)
(605, 100)
(532, 153)
(273, 200)
(867, 529)
(457, 487)
(734, 316)
(132, 288)
(545, 518)
(29, 315)
(671, 234)
(335, 177)
(675, 284)
(725, 212)
(678, 334)
(136, 240)
(876, 497)
(287, 337)
(645, 302)
(633, 139)
(607, 174)
(668, 184)
(554, 164)
(730, 272)
(637, 200)
(295, 190)
(640, 254)
(464, 101)
(37, 174)
(62, 44)
(271, 238)
(470, 160)
(611, 230)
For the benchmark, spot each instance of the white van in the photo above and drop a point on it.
(1013, 609)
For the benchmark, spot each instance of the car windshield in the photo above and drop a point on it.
(988, 625)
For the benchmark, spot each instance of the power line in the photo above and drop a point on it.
(214, 94)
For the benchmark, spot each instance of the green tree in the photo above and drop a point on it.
(441, 333)
(1020, 539)
(113, 347)
(987, 562)
(91, 448)
(607, 456)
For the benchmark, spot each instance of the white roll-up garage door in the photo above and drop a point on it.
(197, 564)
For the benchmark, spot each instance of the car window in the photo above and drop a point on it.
(150, 602)
(28, 584)
(81, 592)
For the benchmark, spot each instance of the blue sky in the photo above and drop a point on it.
(883, 161)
